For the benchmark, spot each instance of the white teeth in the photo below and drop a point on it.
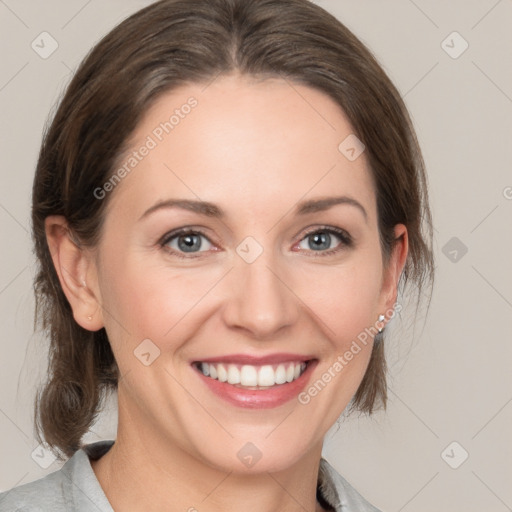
(233, 374)
(266, 376)
(280, 374)
(250, 376)
(222, 373)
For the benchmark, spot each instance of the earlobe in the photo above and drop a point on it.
(76, 272)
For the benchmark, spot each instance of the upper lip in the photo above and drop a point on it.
(256, 360)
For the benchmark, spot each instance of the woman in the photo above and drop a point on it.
(226, 205)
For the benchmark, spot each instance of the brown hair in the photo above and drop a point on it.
(168, 44)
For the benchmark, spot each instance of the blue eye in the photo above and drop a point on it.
(321, 241)
(186, 241)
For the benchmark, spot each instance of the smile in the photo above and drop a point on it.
(253, 376)
(252, 382)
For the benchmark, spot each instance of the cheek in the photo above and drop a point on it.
(147, 300)
(344, 301)
(345, 298)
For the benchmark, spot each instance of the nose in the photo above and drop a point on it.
(260, 298)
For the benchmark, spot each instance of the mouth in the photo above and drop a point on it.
(256, 382)
(250, 376)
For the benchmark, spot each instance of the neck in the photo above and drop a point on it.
(142, 472)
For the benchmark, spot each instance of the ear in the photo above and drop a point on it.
(77, 273)
(391, 277)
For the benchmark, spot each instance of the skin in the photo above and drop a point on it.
(254, 148)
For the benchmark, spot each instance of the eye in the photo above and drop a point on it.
(325, 241)
(186, 241)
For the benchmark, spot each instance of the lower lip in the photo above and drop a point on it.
(258, 399)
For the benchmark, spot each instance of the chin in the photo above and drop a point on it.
(260, 455)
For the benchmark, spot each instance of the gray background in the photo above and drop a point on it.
(450, 378)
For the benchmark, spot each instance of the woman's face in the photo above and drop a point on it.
(265, 278)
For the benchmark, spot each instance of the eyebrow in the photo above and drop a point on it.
(212, 210)
(201, 207)
(322, 204)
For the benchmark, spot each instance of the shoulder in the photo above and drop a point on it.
(48, 493)
(72, 487)
(339, 493)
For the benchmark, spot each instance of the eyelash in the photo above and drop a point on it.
(346, 240)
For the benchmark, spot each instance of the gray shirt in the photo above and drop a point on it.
(74, 487)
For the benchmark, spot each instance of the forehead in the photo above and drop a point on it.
(243, 142)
